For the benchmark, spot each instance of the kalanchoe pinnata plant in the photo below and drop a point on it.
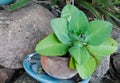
(86, 42)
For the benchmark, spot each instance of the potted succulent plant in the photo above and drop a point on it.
(84, 42)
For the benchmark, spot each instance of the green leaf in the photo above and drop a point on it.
(80, 54)
(86, 70)
(50, 46)
(68, 11)
(105, 3)
(97, 32)
(107, 16)
(116, 2)
(72, 63)
(78, 23)
(106, 48)
(60, 28)
(98, 59)
(110, 20)
(88, 6)
(18, 4)
(53, 2)
(113, 16)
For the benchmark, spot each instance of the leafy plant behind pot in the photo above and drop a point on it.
(100, 8)
(107, 9)
(87, 42)
(18, 4)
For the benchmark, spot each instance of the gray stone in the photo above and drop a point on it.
(104, 80)
(116, 35)
(20, 31)
(6, 74)
(25, 78)
(115, 66)
(116, 63)
(3, 76)
(95, 80)
(102, 69)
(108, 79)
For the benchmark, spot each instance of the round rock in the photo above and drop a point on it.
(20, 31)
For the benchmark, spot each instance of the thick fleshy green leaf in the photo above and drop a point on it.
(78, 23)
(86, 70)
(60, 28)
(68, 11)
(106, 48)
(98, 31)
(80, 54)
(50, 46)
(98, 59)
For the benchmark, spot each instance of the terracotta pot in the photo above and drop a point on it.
(57, 67)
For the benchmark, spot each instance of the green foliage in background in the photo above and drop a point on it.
(18, 4)
(105, 8)
(87, 42)
(101, 9)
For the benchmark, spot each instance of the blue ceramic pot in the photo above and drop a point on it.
(5, 2)
(32, 65)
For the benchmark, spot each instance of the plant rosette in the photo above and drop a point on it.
(5, 2)
(86, 42)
